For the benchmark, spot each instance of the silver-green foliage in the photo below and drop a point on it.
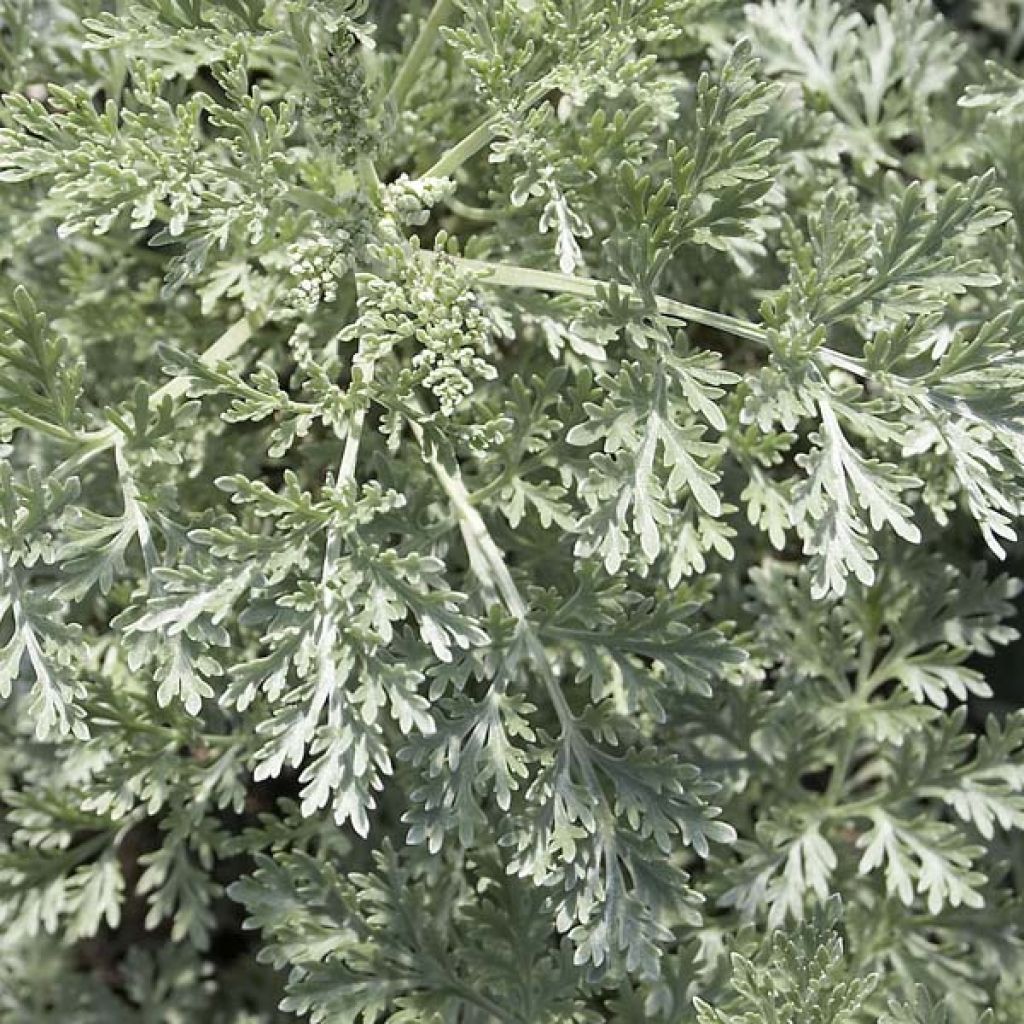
(495, 491)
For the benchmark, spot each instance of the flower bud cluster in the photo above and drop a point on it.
(337, 106)
(410, 200)
(317, 262)
(454, 334)
(434, 306)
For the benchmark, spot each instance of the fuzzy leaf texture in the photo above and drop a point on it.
(509, 512)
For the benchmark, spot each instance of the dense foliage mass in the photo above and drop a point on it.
(500, 511)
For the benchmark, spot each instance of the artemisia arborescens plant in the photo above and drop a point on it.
(500, 511)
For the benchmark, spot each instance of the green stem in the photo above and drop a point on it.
(883, 672)
(489, 562)
(421, 49)
(368, 176)
(54, 430)
(469, 995)
(328, 626)
(851, 809)
(133, 510)
(308, 198)
(504, 275)
(488, 490)
(841, 769)
(232, 341)
(859, 297)
(477, 214)
(479, 137)
(463, 151)
(851, 733)
(346, 478)
(347, 467)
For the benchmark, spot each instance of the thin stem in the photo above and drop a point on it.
(862, 295)
(469, 995)
(133, 508)
(232, 341)
(463, 151)
(347, 467)
(841, 769)
(490, 489)
(478, 214)
(489, 562)
(504, 275)
(421, 49)
(883, 672)
(483, 133)
(27, 420)
(852, 809)
(308, 198)
(327, 631)
(99, 443)
(851, 733)
(367, 173)
(480, 136)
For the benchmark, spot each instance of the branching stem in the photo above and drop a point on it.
(480, 136)
(505, 275)
(851, 733)
(489, 563)
(327, 630)
(232, 341)
(488, 560)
